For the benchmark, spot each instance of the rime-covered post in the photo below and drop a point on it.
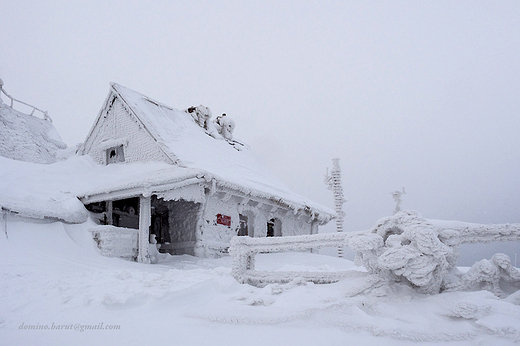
(145, 219)
(334, 182)
(398, 199)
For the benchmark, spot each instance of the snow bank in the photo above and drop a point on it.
(39, 191)
(52, 273)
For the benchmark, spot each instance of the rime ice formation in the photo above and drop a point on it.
(334, 184)
(397, 195)
(407, 247)
(201, 115)
(492, 275)
(225, 126)
(401, 248)
(244, 250)
(221, 125)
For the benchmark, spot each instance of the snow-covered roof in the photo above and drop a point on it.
(27, 138)
(230, 163)
(42, 191)
(52, 190)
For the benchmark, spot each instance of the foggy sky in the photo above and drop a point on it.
(420, 94)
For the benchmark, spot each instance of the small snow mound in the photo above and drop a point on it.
(469, 311)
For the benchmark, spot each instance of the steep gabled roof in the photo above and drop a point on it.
(232, 165)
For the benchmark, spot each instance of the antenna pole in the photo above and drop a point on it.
(334, 182)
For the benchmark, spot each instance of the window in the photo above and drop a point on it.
(115, 155)
(246, 224)
(274, 228)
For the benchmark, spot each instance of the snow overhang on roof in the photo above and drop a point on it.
(119, 181)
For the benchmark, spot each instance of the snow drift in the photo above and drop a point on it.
(52, 273)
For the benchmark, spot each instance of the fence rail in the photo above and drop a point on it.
(34, 109)
(244, 249)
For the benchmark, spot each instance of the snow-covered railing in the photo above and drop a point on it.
(403, 247)
(13, 100)
(487, 233)
(244, 250)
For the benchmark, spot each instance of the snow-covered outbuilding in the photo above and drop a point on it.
(175, 175)
(25, 137)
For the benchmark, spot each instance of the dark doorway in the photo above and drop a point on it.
(274, 228)
(243, 229)
(160, 221)
(125, 213)
(174, 224)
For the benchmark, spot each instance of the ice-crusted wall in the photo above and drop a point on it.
(217, 236)
(116, 241)
(183, 220)
(295, 224)
(118, 127)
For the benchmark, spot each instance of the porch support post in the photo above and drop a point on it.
(145, 219)
(110, 208)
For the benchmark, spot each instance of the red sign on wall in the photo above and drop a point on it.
(223, 220)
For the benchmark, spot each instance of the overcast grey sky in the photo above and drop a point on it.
(420, 94)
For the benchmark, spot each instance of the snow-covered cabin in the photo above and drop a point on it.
(173, 175)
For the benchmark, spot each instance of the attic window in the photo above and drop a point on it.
(115, 155)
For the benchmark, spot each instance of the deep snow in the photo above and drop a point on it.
(53, 273)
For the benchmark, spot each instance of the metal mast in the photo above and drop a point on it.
(334, 183)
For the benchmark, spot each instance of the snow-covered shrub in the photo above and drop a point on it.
(409, 248)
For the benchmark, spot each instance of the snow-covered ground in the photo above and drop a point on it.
(52, 275)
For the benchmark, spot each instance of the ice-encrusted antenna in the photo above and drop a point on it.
(334, 183)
